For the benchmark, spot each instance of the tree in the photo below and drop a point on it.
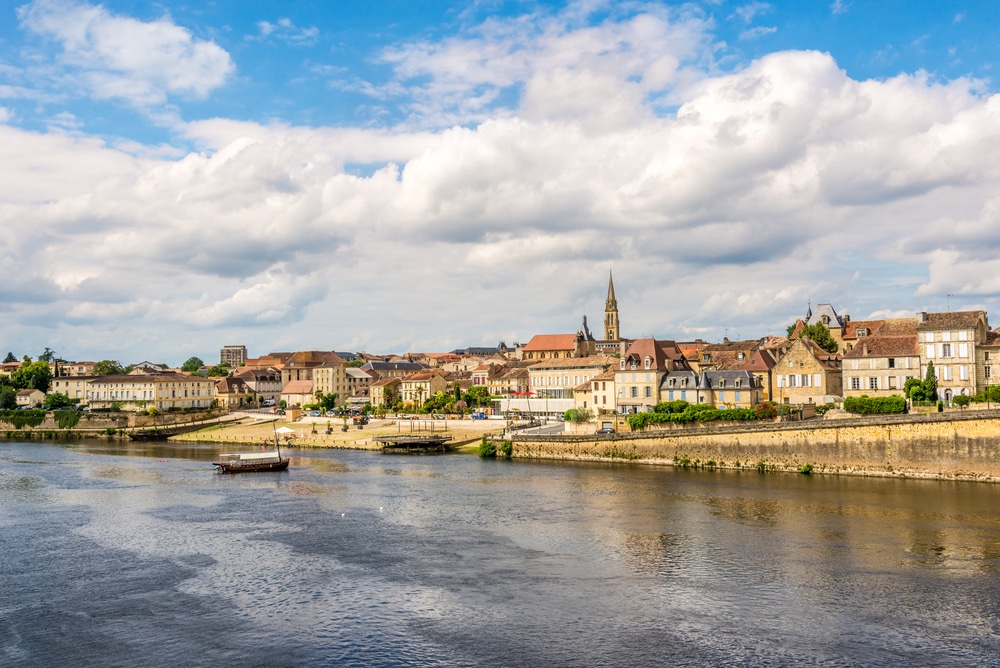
(327, 401)
(47, 355)
(819, 334)
(192, 364)
(59, 400)
(930, 383)
(219, 370)
(110, 368)
(36, 375)
(10, 358)
(8, 398)
(478, 394)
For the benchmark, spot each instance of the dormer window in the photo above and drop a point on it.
(706, 358)
(862, 332)
(826, 320)
(739, 383)
(684, 382)
(671, 382)
(649, 362)
(739, 357)
(623, 365)
(722, 382)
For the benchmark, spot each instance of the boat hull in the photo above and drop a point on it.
(245, 467)
(151, 435)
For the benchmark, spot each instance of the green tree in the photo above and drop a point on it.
(8, 398)
(10, 358)
(357, 364)
(219, 370)
(578, 415)
(930, 383)
(59, 400)
(327, 401)
(819, 334)
(478, 395)
(192, 364)
(35, 375)
(47, 355)
(110, 368)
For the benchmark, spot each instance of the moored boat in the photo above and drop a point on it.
(247, 462)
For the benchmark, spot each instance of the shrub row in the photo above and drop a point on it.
(865, 405)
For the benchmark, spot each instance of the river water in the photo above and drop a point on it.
(140, 555)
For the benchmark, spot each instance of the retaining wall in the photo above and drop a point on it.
(949, 445)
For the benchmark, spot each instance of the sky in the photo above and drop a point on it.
(401, 176)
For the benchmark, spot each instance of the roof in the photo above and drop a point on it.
(659, 351)
(298, 387)
(421, 376)
(230, 384)
(313, 358)
(385, 382)
(885, 346)
(542, 342)
(575, 362)
(356, 373)
(835, 321)
(950, 320)
(169, 377)
(393, 366)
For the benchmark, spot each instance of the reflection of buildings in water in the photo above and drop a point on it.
(745, 511)
(655, 553)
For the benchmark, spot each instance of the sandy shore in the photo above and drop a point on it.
(311, 432)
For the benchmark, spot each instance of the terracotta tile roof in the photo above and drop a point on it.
(951, 320)
(385, 382)
(571, 362)
(543, 342)
(885, 346)
(298, 387)
(898, 327)
(851, 328)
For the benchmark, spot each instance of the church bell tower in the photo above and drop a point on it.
(611, 330)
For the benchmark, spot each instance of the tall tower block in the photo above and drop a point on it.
(611, 329)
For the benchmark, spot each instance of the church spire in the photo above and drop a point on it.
(611, 330)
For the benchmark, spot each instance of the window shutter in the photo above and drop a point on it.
(930, 351)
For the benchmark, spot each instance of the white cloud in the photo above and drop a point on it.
(751, 10)
(117, 57)
(286, 31)
(461, 79)
(5, 114)
(781, 182)
(755, 33)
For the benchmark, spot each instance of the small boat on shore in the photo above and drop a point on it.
(152, 435)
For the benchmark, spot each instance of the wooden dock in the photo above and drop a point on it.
(414, 444)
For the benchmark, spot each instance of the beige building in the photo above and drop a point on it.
(331, 378)
(731, 388)
(556, 378)
(298, 393)
(807, 374)
(417, 388)
(233, 393)
(384, 393)
(234, 356)
(300, 365)
(74, 387)
(265, 384)
(30, 398)
(640, 372)
(950, 341)
(879, 366)
(165, 391)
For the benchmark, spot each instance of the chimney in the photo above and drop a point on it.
(864, 348)
(922, 316)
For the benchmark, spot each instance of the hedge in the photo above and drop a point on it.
(865, 405)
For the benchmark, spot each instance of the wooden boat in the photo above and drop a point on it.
(152, 435)
(249, 462)
(253, 462)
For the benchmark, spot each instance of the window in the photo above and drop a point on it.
(946, 336)
(722, 397)
(649, 362)
(722, 382)
(862, 332)
(649, 392)
(946, 373)
(670, 383)
(930, 351)
(892, 362)
(739, 357)
(986, 356)
(738, 383)
(963, 350)
(738, 397)
(963, 335)
(873, 383)
(986, 371)
(635, 391)
(790, 364)
(963, 372)
(945, 350)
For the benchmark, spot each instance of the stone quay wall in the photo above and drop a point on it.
(952, 445)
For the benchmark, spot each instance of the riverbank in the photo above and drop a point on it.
(312, 433)
(962, 446)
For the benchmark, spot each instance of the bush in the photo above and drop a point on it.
(487, 448)
(962, 400)
(865, 405)
(67, 419)
(691, 413)
(506, 449)
(22, 419)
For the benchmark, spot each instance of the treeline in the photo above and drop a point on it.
(681, 412)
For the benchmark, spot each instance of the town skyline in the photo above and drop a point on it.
(402, 178)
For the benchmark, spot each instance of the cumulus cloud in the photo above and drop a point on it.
(783, 181)
(118, 57)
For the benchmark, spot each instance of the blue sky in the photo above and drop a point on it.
(422, 176)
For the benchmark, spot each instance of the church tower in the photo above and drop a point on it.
(611, 330)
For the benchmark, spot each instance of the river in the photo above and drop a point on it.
(140, 555)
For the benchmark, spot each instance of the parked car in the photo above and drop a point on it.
(315, 414)
(605, 430)
(479, 415)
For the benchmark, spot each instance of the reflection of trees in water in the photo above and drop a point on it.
(655, 553)
(745, 511)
